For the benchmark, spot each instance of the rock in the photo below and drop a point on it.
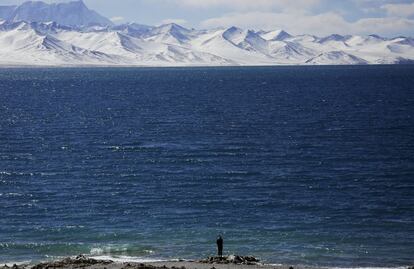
(78, 262)
(14, 266)
(235, 259)
(251, 259)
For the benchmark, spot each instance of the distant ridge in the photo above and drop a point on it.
(36, 33)
(73, 13)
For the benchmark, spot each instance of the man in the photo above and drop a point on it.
(220, 246)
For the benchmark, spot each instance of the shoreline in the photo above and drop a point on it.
(93, 66)
(228, 262)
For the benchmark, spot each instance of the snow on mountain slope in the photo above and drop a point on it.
(234, 35)
(378, 50)
(19, 38)
(133, 29)
(334, 42)
(336, 57)
(169, 33)
(171, 55)
(333, 38)
(290, 52)
(139, 51)
(168, 45)
(363, 40)
(277, 35)
(72, 13)
(403, 41)
(23, 45)
(246, 39)
(106, 42)
(233, 44)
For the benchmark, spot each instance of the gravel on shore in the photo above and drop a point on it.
(229, 262)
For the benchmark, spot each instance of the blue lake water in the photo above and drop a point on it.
(295, 165)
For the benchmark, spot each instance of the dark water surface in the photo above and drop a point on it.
(297, 165)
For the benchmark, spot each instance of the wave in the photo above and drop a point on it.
(14, 173)
(124, 253)
(128, 259)
(11, 263)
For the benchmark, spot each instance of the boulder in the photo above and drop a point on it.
(78, 262)
(234, 259)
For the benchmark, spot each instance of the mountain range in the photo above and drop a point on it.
(67, 34)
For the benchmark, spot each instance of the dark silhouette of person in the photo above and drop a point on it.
(220, 246)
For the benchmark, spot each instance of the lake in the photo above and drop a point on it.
(294, 165)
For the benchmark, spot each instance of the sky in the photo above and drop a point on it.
(319, 17)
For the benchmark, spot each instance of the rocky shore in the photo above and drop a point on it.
(232, 259)
(81, 261)
(228, 262)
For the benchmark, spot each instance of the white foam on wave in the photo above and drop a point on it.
(119, 253)
(128, 259)
(112, 249)
(10, 264)
(13, 173)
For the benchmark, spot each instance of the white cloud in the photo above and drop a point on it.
(293, 22)
(399, 10)
(387, 26)
(248, 4)
(321, 24)
(177, 21)
(117, 19)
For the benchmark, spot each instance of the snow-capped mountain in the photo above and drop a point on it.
(70, 34)
(277, 35)
(72, 13)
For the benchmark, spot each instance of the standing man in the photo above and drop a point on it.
(220, 246)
